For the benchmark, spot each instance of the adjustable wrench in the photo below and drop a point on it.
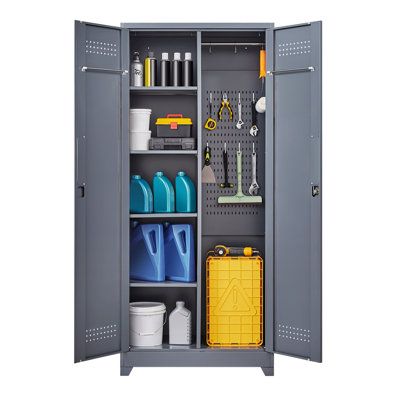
(253, 189)
(240, 122)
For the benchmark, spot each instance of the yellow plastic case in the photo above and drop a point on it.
(234, 301)
(174, 126)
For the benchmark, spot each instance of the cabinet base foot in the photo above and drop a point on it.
(125, 371)
(268, 371)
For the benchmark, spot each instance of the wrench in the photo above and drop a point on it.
(240, 122)
(253, 189)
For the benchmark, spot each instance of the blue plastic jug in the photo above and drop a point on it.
(164, 195)
(185, 193)
(179, 253)
(141, 196)
(147, 261)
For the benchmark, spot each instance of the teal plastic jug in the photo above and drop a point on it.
(185, 193)
(164, 194)
(147, 261)
(141, 201)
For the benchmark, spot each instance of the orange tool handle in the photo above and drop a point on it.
(174, 115)
(263, 64)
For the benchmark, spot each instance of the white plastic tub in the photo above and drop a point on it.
(146, 323)
(140, 140)
(139, 119)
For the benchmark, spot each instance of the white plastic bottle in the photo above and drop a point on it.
(180, 325)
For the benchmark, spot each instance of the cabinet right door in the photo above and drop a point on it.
(294, 193)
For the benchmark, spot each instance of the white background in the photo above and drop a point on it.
(361, 206)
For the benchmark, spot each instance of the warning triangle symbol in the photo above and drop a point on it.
(234, 301)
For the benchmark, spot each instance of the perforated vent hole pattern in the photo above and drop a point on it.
(294, 48)
(294, 333)
(226, 131)
(101, 333)
(101, 48)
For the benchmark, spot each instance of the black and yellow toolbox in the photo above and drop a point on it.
(174, 126)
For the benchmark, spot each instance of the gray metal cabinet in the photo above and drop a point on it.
(286, 227)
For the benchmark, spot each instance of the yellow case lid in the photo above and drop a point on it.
(177, 119)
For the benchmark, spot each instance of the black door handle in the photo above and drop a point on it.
(315, 191)
(81, 189)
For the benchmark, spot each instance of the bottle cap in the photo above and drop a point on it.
(159, 173)
(181, 173)
(136, 56)
(136, 177)
(177, 56)
(188, 56)
(180, 304)
(150, 54)
(164, 56)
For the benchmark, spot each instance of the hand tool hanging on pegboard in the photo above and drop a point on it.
(254, 128)
(225, 184)
(225, 104)
(211, 123)
(253, 190)
(240, 122)
(207, 174)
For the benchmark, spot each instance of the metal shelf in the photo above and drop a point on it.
(174, 152)
(165, 215)
(165, 284)
(165, 90)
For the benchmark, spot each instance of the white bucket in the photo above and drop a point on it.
(139, 119)
(146, 322)
(140, 140)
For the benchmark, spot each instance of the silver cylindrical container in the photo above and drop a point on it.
(136, 71)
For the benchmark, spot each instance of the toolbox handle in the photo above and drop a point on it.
(174, 115)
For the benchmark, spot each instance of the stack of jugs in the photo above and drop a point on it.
(163, 198)
(139, 127)
(158, 254)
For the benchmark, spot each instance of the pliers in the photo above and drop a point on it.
(225, 104)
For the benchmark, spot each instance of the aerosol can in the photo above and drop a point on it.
(136, 71)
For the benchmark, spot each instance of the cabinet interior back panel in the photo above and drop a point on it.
(232, 219)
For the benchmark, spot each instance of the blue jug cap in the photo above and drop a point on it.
(181, 173)
(136, 177)
(159, 173)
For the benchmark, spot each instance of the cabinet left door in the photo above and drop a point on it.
(101, 190)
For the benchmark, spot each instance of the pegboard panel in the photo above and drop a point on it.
(240, 219)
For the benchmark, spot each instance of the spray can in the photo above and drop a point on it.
(136, 70)
(177, 70)
(150, 70)
(188, 70)
(165, 70)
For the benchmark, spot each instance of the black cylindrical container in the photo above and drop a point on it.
(177, 70)
(165, 70)
(188, 70)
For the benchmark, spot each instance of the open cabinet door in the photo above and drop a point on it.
(101, 199)
(294, 134)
